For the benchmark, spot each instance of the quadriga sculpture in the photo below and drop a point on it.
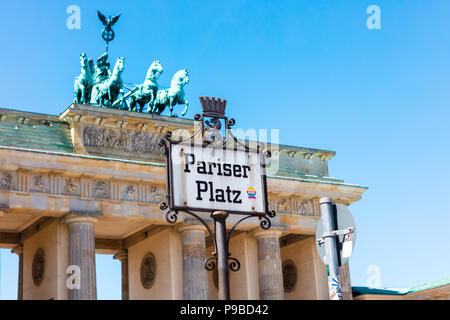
(84, 82)
(101, 72)
(172, 96)
(145, 93)
(106, 92)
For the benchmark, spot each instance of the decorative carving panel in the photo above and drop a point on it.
(129, 192)
(71, 186)
(87, 187)
(101, 189)
(157, 194)
(303, 207)
(148, 270)
(289, 275)
(122, 140)
(39, 183)
(38, 267)
(292, 205)
(6, 181)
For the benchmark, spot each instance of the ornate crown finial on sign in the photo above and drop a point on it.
(213, 107)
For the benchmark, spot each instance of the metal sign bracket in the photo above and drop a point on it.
(335, 233)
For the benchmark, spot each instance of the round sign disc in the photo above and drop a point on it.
(346, 240)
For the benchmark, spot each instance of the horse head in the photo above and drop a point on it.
(117, 71)
(83, 59)
(181, 78)
(154, 71)
(86, 66)
(119, 66)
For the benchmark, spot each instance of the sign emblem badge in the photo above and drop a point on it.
(251, 192)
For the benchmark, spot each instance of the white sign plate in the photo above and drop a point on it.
(209, 179)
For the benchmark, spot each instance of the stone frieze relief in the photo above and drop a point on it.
(122, 140)
(100, 189)
(70, 187)
(129, 193)
(6, 181)
(293, 205)
(145, 193)
(39, 184)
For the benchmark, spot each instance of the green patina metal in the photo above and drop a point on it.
(174, 95)
(84, 82)
(357, 291)
(317, 179)
(108, 33)
(97, 85)
(49, 135)
(106, 91)
(143, 94)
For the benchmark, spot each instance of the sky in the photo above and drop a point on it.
(314, 70)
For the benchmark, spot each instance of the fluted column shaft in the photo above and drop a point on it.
(195, 276)
(123, 257)
(346, 286)
(269, 265)
(82, 255)
(19, 251)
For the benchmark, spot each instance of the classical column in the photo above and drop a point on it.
(19, 251)
(346, 286)
(82, 256)
(195, 276)
(122, 256)
(269, 265)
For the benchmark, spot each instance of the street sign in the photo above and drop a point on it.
(210, 179)
(344, 232)
(208, 176)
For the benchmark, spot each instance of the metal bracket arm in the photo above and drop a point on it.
(334, 233)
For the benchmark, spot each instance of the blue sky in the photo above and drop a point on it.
(379, 98)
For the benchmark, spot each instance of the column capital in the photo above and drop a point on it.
(261, 233)
(187, 226)
(79, 219)
(17, 250)
(122, 255)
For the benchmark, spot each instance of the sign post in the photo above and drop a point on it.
(212, 175)
(334, 284)
(335, 239)
(220, 218)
